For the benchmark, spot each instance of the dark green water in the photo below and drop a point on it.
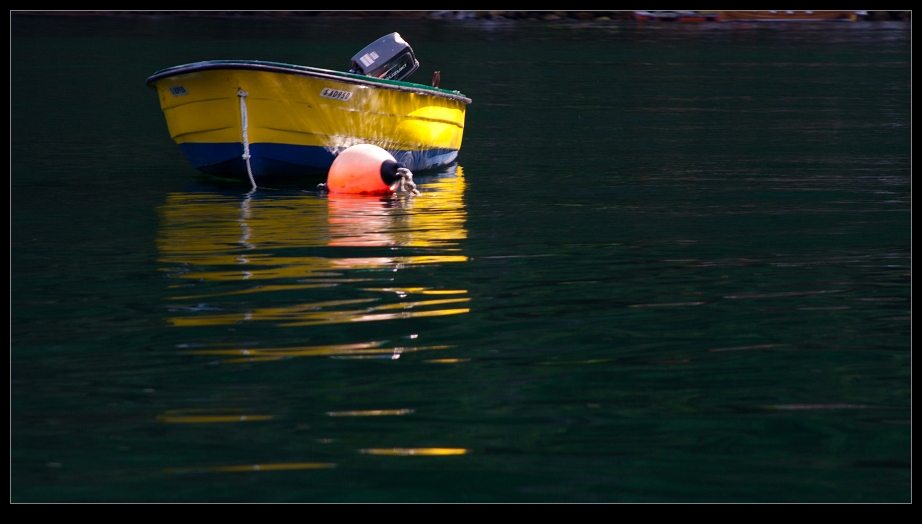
(672, 264)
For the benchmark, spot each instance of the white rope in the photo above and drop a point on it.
(406, 181)
(246, 141)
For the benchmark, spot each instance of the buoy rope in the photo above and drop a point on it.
(406, 181)
(246, 141)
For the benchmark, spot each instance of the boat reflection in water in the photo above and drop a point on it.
(258, 258)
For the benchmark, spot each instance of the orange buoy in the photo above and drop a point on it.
(364, 169)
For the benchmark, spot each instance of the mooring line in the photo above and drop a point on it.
(246, 140)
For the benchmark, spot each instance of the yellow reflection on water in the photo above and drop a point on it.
(248, 246)
(421, 290)
(360, 350)
(307, 267)
(436, 219)
(214, 230)
(307, 314)
(415, 451)
(209, 416)
(259, 289)
(367, 315)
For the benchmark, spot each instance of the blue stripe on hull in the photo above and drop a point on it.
(284, 160)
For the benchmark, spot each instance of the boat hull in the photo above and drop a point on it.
(289, 160)
(294, 120)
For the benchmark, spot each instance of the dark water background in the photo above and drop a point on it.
(673, 263)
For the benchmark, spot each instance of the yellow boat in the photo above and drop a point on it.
(291, 120)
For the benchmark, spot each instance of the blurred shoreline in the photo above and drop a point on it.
(547, 16)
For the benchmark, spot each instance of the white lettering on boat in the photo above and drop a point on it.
(178, 91)
(392, 73)
(336, 94)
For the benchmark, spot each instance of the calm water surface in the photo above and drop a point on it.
(673, 263)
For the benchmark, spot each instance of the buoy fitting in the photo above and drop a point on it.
(367, 169)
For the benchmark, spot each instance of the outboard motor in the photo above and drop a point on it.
(388, 58)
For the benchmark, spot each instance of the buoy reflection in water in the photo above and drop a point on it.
(235, 257)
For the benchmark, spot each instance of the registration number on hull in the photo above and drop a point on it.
(336, 94)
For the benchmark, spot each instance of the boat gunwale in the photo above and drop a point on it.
(277, 67)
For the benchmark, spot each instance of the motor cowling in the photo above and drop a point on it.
(389, 57)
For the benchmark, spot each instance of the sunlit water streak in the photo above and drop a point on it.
(240, 243)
